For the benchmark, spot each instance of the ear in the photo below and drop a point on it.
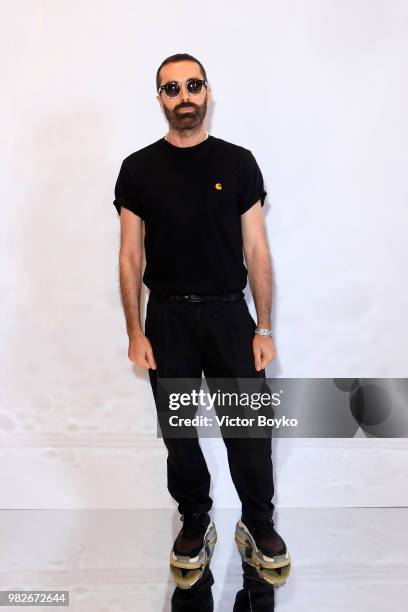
(209, 94)
(160, 101)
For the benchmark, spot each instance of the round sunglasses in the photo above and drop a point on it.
(172, 88)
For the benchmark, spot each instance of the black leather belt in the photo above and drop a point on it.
(192, 297)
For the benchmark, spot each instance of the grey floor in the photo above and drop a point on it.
(352, 559)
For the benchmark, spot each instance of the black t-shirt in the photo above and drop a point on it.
(191, 199)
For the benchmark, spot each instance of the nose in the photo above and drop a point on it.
(184, 95)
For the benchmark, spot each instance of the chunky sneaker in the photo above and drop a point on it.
(194, 544)
(261, 546)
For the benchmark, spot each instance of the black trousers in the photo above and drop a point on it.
(215, 338)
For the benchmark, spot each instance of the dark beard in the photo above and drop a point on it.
(186, 120)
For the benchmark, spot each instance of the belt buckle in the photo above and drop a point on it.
(193, 298)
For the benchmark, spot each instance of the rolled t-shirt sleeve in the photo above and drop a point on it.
(252, 183)
(125, 195)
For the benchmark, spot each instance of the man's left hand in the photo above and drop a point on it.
(264, 351)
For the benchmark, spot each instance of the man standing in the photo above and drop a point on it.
(200, 199)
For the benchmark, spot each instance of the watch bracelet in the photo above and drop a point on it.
(262, 331)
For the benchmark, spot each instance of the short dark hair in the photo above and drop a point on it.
(179, 57)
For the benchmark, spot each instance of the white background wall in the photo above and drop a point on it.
(317, 90)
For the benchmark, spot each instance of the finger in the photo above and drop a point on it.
(140, 360)
(266, 358)
(150, 359)
(257, 359)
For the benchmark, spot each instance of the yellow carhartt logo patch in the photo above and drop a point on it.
(218, 186)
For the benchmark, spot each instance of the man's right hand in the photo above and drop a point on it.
(140, 351)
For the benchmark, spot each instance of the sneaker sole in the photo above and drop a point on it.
(250, 553)
(186, 580)
(203, 557)
(276, 577)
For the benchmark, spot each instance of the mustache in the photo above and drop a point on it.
(192, 106)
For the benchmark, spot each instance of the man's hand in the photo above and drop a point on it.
(140, 351)
(264, 351)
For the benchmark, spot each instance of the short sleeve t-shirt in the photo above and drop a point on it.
(191, 200)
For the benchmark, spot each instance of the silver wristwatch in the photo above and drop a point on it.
(262, 331)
